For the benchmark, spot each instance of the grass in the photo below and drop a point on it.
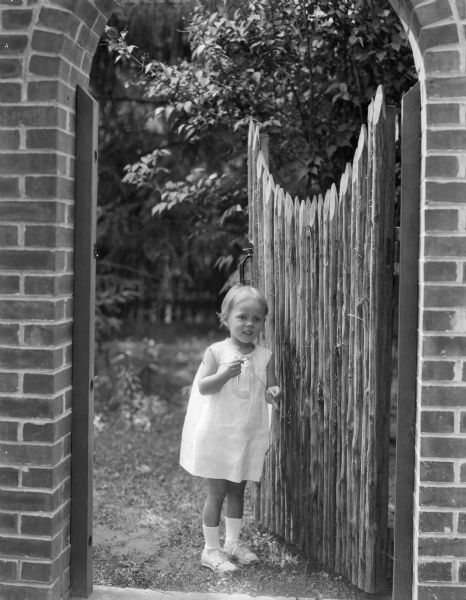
(147, 524)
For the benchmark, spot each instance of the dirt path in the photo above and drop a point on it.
(147, 528)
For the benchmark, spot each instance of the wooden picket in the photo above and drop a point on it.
(326, 269)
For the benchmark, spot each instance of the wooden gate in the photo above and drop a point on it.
(326, 269)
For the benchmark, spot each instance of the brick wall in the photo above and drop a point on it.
(439, 28)
(46, 48)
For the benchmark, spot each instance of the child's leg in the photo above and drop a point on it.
(211, 556)
(235, 499)
(216, 491)
(233, 523)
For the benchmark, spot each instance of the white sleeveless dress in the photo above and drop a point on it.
(226, 434)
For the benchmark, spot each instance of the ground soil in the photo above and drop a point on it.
(147, 525)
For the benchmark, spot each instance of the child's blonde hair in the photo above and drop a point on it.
(237, 293)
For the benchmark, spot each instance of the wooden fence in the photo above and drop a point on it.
(326, 269)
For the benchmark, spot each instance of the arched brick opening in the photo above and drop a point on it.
(47, 49)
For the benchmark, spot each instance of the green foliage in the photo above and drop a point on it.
(305, 69)
(175, 112)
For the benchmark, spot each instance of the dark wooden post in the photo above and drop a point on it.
(407, 342)
(83, 344)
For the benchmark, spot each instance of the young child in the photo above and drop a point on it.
(226, 430)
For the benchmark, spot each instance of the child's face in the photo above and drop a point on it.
(246, 320)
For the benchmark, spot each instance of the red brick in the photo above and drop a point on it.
(8, 570)
(10, 67)
(51, 90)
(9, 334)
(9, 477)
(47, 335)
(37, 310)
(441, 61)
(46, 384)
(462, 572)
(440, 271)
(9, 139)
(441, 547)
(30, 408)
(8, 431)
(432, 13)
(9, 186)
(463, 473)
(32, 212)
(21, 163)
(454, 87)
(50, 187)
(10, 92)
(38, 571)
(448, 447)
(462, 523)
(435, 571)
(49, 66)
(435, 522)
(437, 422)
(59, 20)
(24, 547)
(441, 219)
(49, 236)
(453, 191)
(53, 285)
(463, 414)
(438, 370)
(47, 432)
(442, 114)
(8, 522)
(9, 235)
(13, 44)
(42, 260)
(17, 18)
(442, 166)
(437, 471)
(445, 347)
(30, 359)
(51, 139)
(33, 116)
(48, 41)
(9, 284)
(438, 36)
(47, 478)
(448, 139)
(31, 454)
(49, 525)
(9, 383)
(444, 296)
(28, 592)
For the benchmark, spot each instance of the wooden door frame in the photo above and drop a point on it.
(85, 214)
(407, 343)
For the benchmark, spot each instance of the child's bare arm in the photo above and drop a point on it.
(209, 380)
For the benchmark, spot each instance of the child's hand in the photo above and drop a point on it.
(233, 368)
(273, 394)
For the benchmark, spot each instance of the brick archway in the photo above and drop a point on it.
(47, 49)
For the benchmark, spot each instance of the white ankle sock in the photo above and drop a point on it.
(232, 529)
(211, 537)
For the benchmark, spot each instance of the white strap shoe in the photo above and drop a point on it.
(240, 551)
(217, 561)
